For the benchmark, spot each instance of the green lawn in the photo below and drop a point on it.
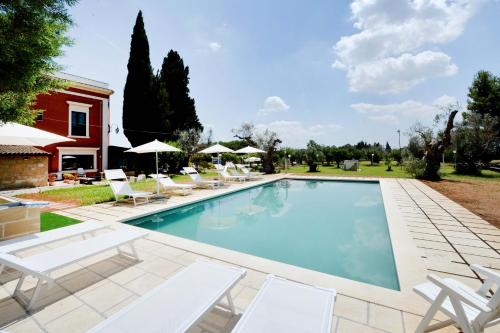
(49, 221)
(380, 170)
(377, 170)
(89, 195)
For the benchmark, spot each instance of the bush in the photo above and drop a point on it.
(415, 167)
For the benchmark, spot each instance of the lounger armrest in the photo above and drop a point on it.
(492, 278)
(454, 292)
(489, 273)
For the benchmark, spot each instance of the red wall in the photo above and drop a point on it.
(55, 120)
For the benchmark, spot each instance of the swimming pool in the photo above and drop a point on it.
(334, 227)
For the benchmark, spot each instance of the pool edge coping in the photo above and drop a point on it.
(409, 266)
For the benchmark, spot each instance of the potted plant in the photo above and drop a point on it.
(52, 179)
(68, 178)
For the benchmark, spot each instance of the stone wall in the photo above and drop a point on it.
(23, 171)
(17, 221)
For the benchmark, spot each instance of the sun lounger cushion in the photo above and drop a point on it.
(177, 304)
(282, 306)
(46, 237)
(40, 264)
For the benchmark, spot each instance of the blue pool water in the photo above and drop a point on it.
(334, 227)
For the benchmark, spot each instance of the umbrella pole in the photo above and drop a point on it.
(157, 174)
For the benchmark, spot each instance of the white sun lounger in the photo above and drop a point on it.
(179, 303)
(282, 306)
(196, 178)
(467, 308)
(168, 184)
(42, 265)
(41, 238)
(228, 177)
(122, 187)
(249, 174)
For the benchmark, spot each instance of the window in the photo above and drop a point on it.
(39, 116)
(72, 158)
(78, 119)
(78, 123)
(73, 162)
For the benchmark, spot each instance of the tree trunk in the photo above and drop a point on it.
(434, 150)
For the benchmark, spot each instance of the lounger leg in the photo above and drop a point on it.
(230, 302)
(19, 284)
(424, 324)
(462, 318)
(134, 251)
(35, 294)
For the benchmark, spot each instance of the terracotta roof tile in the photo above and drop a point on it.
(21, 150)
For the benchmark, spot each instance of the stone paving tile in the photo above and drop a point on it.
(385, 318)
(348, 326)
(449, 267)
(428, 237)
(438, 255)
(434, 245)
(352, 308)
(468, 242)
(477, 251)
(78, 320)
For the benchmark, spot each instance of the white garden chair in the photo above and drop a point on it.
(468, 309)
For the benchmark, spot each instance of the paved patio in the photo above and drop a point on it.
(447, 236)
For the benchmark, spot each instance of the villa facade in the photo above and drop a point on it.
(81, 112)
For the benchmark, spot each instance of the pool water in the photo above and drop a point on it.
(334, 227)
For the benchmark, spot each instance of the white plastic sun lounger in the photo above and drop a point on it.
(168, 184)
(249, 174)
(42, 265)
(46, 237)
(228, 177)
(282, 306)
(123, 188)
(467, 308)
(196, 178)
(179, 303)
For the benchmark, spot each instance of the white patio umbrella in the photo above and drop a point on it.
(249, 150)
(216, 149)
(21, 135)
(154, 147)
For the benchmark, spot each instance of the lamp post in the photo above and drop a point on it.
(372, 159)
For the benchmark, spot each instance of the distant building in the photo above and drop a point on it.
(81, 112)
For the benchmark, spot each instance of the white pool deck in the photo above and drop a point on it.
(429, 233)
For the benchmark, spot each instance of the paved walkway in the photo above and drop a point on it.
(448, 236)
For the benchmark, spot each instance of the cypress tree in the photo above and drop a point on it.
(138, 114)
(162, 111)
(175, 77)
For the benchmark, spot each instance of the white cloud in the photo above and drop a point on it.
(391, 113)
(273, 104)
(391, 52)
(214, 46)
(297, 134)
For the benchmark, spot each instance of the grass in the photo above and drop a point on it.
(49, 221)
(377, 170)
(380, 170)
(89, 195)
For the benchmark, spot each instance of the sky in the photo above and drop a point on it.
(336, 72)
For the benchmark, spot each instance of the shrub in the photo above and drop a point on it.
(415, 167)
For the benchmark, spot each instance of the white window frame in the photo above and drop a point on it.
(77, 151)
(79, 107)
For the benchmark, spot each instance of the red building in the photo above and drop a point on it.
(80, 112)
